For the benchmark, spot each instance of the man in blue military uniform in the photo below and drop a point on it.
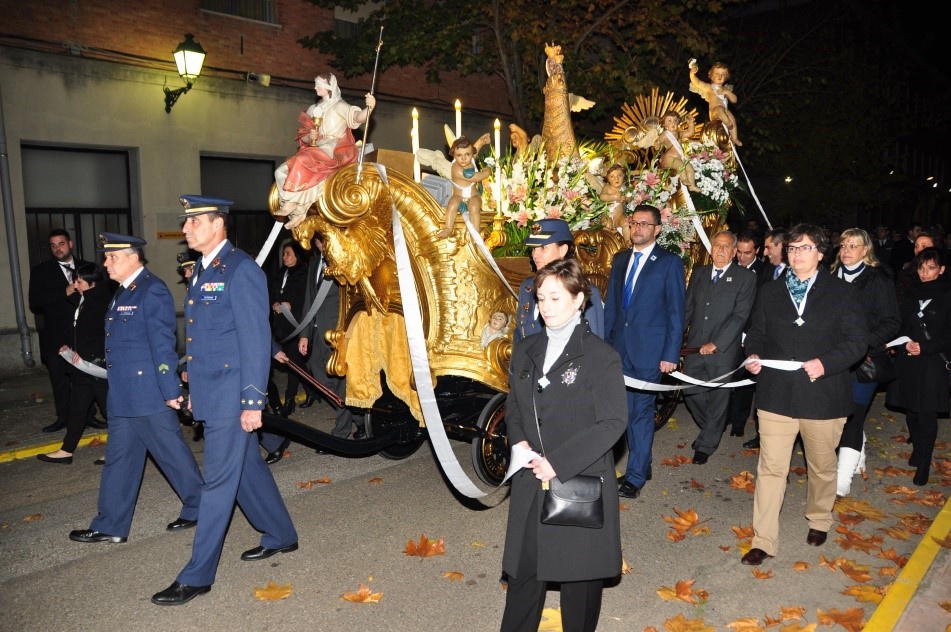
(143, 384)
(227, 356)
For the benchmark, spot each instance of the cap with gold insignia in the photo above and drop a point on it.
(110, 242)
(199, 204)
(549, 231)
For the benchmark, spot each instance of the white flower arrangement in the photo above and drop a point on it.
(712, 177)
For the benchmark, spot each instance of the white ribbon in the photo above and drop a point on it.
(477, 240)
(641, 385)
(268, 243)
(701, 233)
(325, 286)
(413, 319)
(84, 366)
(748, 183)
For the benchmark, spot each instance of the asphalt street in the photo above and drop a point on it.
(355, 517)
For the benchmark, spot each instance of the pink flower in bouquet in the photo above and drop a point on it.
(651, 179)
(517, 195)
(554, 212)
(675, 222)
(521, 218)
(571, 194)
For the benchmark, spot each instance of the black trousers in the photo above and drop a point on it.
(525, 597)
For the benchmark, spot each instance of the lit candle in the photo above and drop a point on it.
(498, 167)
(414, 136)
(458, 118)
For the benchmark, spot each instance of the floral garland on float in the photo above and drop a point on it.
(533, 188)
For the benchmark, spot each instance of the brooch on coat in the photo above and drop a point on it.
(570, 375)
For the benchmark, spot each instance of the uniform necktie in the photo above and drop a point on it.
(629, 284)
(717, 275)
(198, 268)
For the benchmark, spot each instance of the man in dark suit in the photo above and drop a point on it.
(312, 338)
(883, 245)
(741, 399)
(227, 357)
(51, 286)
(903, 250)
(141, 363)
(719, 301)
(644, 322)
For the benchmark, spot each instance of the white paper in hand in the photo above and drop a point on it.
(521, 456)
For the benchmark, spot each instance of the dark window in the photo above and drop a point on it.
(258, 10)
(82, 190)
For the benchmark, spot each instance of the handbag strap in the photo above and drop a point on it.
(924, 330)
(541, 443)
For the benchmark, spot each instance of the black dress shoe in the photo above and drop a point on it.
(55, 426)
(752, 444)
(261, 553)
(628, 490)
(100, 461)
(177, 594)
(699, 458)
(816, 537)
(310, 401)
(277, 455)
(359, 433)
(96, 423)
(755, 557)
(288, 409)
(88, 535)
(737, 433)
(181, 524)
(65, 460)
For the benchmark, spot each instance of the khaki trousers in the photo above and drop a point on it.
(777, 436)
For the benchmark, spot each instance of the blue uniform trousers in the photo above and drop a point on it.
(234, 471)
(130, 438)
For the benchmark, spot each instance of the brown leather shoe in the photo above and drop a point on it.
(816, 537)
(755, 557)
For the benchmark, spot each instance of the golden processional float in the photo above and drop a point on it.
(413, 307)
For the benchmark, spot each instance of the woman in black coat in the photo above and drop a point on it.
(921, 388)
(287, 294)
(566, 385)
(856, 264)
(91, 300)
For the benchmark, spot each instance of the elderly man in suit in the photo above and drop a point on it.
(719, 301)
(51, 287)
(741, 399)
(644, 322)
(141, 366)
(227, 357)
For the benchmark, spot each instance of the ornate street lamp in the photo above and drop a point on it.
(189, 56)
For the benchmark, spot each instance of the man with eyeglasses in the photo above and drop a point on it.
(644, 322)
(815, 319)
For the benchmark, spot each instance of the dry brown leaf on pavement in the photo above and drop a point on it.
(453, 576)
(888, 571)
(898, 533)
(273, 592)
(866, 594)
(749, 624)
(677, 460)
(798, 470)
(946, 605)
(376, 480)
(852, 619)
(760, 574)
(945, 541)
(801, 566)
(362, 595)
(682, 624)
(32, 517)
(96, 441)
(860, 507)
(798, 627)
(318, 481)
(857, 572)
(833, 564)
(676, 536)
(891, 470)
(684, 521)
(855, 540)
(917, 523)
(743, 480)
(850, 518)
(893, 556)
(743, 533)
(477, 544)
(931, 498)
(551, 620)
(425, 548)
(626, 569)
(791, 612)
(683, 591)
(695, 484)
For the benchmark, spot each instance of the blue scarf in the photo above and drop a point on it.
(797, 289)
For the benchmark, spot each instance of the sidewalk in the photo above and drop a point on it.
(913, 603)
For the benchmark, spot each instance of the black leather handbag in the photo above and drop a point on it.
(576, 502)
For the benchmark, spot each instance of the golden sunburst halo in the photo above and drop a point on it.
(639, 119)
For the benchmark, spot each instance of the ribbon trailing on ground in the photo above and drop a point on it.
(86, 367)
(413, 319)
